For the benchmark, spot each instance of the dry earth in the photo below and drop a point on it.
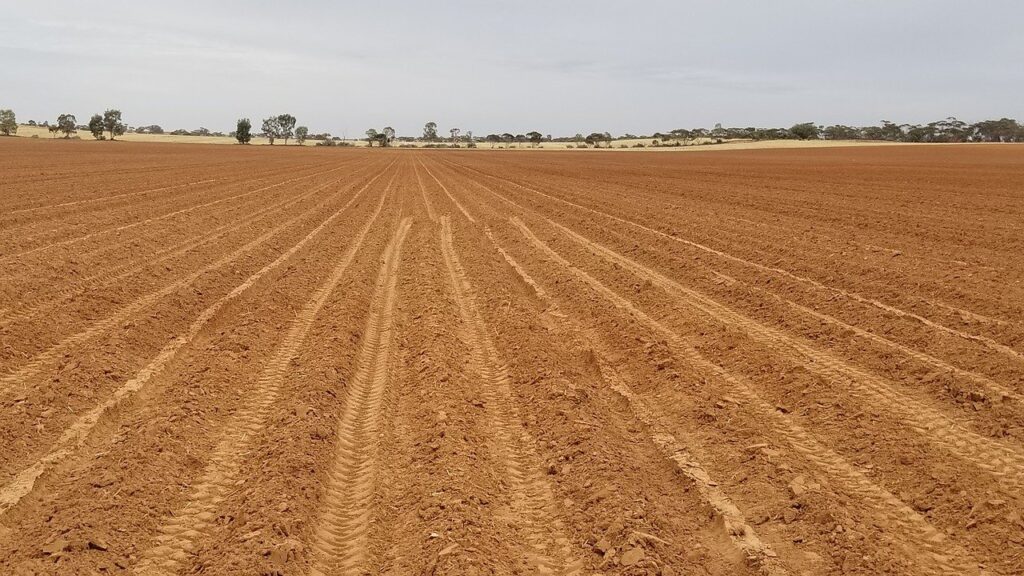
(292, 361)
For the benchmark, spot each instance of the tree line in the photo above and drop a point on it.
(946, 130)
(109, 125)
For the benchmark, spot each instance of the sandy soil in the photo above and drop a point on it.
(300, 361)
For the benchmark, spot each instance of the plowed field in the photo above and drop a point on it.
(285, 361)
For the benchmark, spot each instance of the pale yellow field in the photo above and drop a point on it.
(625, 144)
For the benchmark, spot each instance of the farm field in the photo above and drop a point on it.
(229, 360)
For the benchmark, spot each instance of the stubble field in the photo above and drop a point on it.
(220, 360)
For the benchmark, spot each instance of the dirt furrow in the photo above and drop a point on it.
(933, 549)
(145, 221)
(340, 544)
(999, 459)
(1003, 461)
(113, 197)
(738, 529)
(118, 273)
(179, 534)
(45, 359)
(549, 549)
(984, 340)
(75, 435)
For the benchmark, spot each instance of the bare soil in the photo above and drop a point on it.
(221, 360)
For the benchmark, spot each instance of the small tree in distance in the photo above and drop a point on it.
(285, 127)
(96, 126)
(112, 123)
(430, 132)
(243, 131)
(8, 122)
(271, 128)
(300, 134)
(372, 136)
(68, 124)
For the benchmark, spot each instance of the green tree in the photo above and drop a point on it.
(300, 134)
(8, 122)
(372, 136)
(271, 128)
(535, 137)
(387, 136)
(805, 131)
(286, 127)
(493, 139)
(112, 123)
(243, 131)
(96, 126)
(68, 124)
(430, 132)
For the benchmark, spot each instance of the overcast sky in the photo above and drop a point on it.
(559, 67)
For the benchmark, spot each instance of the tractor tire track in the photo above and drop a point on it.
(339, 546)
(74, 437)
(941, 556)
(40, 361)
(179, 534)
(1003, 462)
(548, 548)
(113, 275)
(740, 532)
(984, 340)
(1000, 460)
(165, 216)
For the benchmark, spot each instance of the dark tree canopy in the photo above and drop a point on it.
(96, 126)
(243, 131)
(112, 123)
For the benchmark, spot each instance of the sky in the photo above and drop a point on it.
(555, 66)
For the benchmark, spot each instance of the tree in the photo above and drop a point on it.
(387, 136)
(96, 126)
(805, 131)
(285, 127)
(430, 132)
(535, 137)
(493, 139)
(271, 128)
(112, 123)
(243, 131)
(68, 124)
(300, 134)
(8, 122)
(507, 138)
(372, 136)
(470, 142)
(455, 137)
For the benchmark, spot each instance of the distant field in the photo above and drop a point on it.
(42, 132)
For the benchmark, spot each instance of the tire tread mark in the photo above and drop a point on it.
(178, 534)
(74, 437)
(172, 214)
(532, 499)
(941, 556)
(112, 275)
(114, 197)
(339, 545)
(984, 340)
(741, 533)
(1000, 460)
